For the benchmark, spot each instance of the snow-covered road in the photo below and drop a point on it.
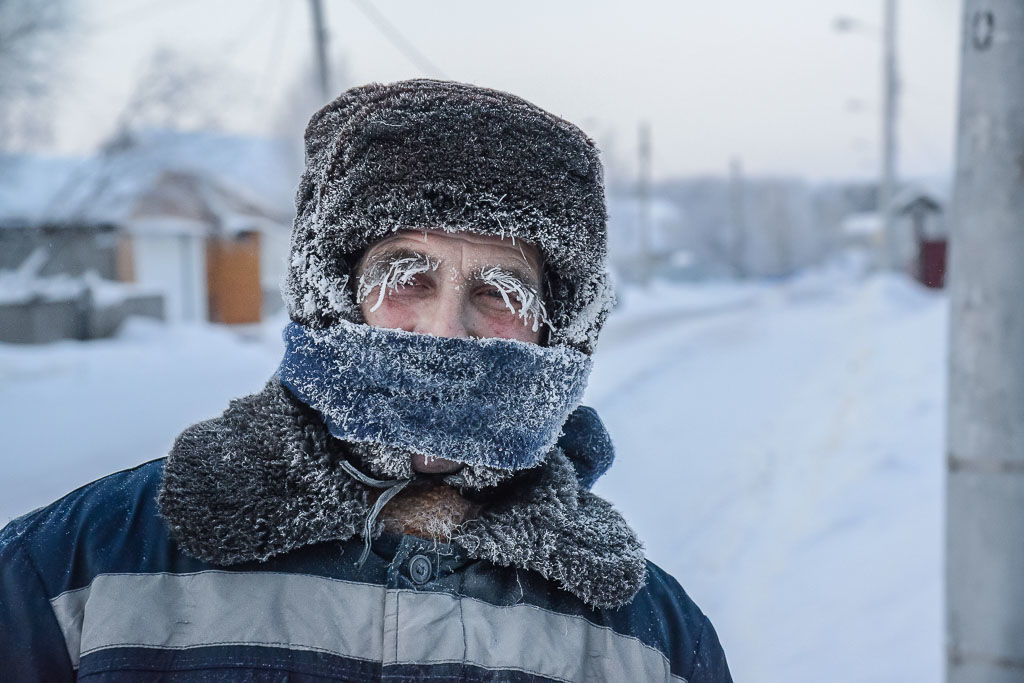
(779, 450)
(784, 461)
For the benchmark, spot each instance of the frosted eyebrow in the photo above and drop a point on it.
(527, 278)
(509, 284)
(390, 270)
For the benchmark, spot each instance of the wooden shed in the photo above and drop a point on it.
(233, 278)
(930, 238)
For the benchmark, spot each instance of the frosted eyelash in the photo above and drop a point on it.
(531, 306)
(390, 275)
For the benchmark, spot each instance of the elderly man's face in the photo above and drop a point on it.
(452, 285)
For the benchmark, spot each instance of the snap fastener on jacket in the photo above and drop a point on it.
(420, 569)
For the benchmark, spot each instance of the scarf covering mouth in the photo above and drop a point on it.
(497, 402)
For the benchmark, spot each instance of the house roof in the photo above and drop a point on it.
(914, 195)
(225, 177)
(29, 184)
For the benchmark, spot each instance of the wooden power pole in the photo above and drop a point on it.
(985, 483)
(320, 49)
(890, 116)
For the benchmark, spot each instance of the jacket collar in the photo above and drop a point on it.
(264, 478)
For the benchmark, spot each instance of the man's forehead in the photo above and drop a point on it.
(476, 249)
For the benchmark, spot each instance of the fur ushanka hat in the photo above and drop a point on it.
(426, 154)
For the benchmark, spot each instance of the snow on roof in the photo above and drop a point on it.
(241, 174)
(916, 193)
(866, 224)
(30, 184)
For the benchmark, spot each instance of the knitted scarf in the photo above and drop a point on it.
(495, 402)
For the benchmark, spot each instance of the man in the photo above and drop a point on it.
(408, 497)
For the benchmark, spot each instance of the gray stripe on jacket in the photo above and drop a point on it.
(345, 618)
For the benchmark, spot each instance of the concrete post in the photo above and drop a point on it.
(985, 485)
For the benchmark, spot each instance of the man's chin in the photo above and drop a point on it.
(424, 464)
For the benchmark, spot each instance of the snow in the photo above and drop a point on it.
(783, 459)
(779, 451)
(31, 184)
(867, 225)
(24, 284)
(103, 189)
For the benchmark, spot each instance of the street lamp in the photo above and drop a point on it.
(890, 109)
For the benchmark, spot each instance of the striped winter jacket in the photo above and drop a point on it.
(94, 586)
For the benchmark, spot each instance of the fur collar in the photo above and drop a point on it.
(264, 478)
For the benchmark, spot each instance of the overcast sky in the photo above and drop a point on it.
(770, 83)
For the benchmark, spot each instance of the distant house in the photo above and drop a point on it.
(28, 185)
(924, 213)
(58, 279)
(863, 230)
(202, 217)
(918, 236)
(648, 239)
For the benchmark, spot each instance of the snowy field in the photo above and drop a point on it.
(779, 450)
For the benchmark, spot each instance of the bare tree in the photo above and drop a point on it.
(177, 92)
(30, 47)
(301, 98)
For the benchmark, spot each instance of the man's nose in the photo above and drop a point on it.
(444, 316)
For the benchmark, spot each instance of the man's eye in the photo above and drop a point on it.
(411, 288)
(497, 299)
(493, 292)
(415, 283)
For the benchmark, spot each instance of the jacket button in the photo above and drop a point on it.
(420, 569)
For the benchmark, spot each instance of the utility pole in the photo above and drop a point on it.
(890, 116)
(320, 48)
(985, 459)
(643, 202)
(739, 223)
(890, 113)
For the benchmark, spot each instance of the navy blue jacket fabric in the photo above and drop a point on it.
(94, 587)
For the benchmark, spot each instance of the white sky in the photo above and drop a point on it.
(769, 82)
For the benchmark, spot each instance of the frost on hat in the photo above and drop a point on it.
(425, 154)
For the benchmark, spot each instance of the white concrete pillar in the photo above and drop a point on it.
(985, 486)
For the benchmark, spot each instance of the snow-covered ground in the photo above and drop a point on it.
(779, 450)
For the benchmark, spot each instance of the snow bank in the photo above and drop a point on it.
(784, 461)
(24, 284)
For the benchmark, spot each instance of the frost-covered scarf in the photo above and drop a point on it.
(483, 401)
(495, 402)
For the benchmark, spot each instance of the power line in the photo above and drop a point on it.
(245, 32)
(397, 39)
(118, 20)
